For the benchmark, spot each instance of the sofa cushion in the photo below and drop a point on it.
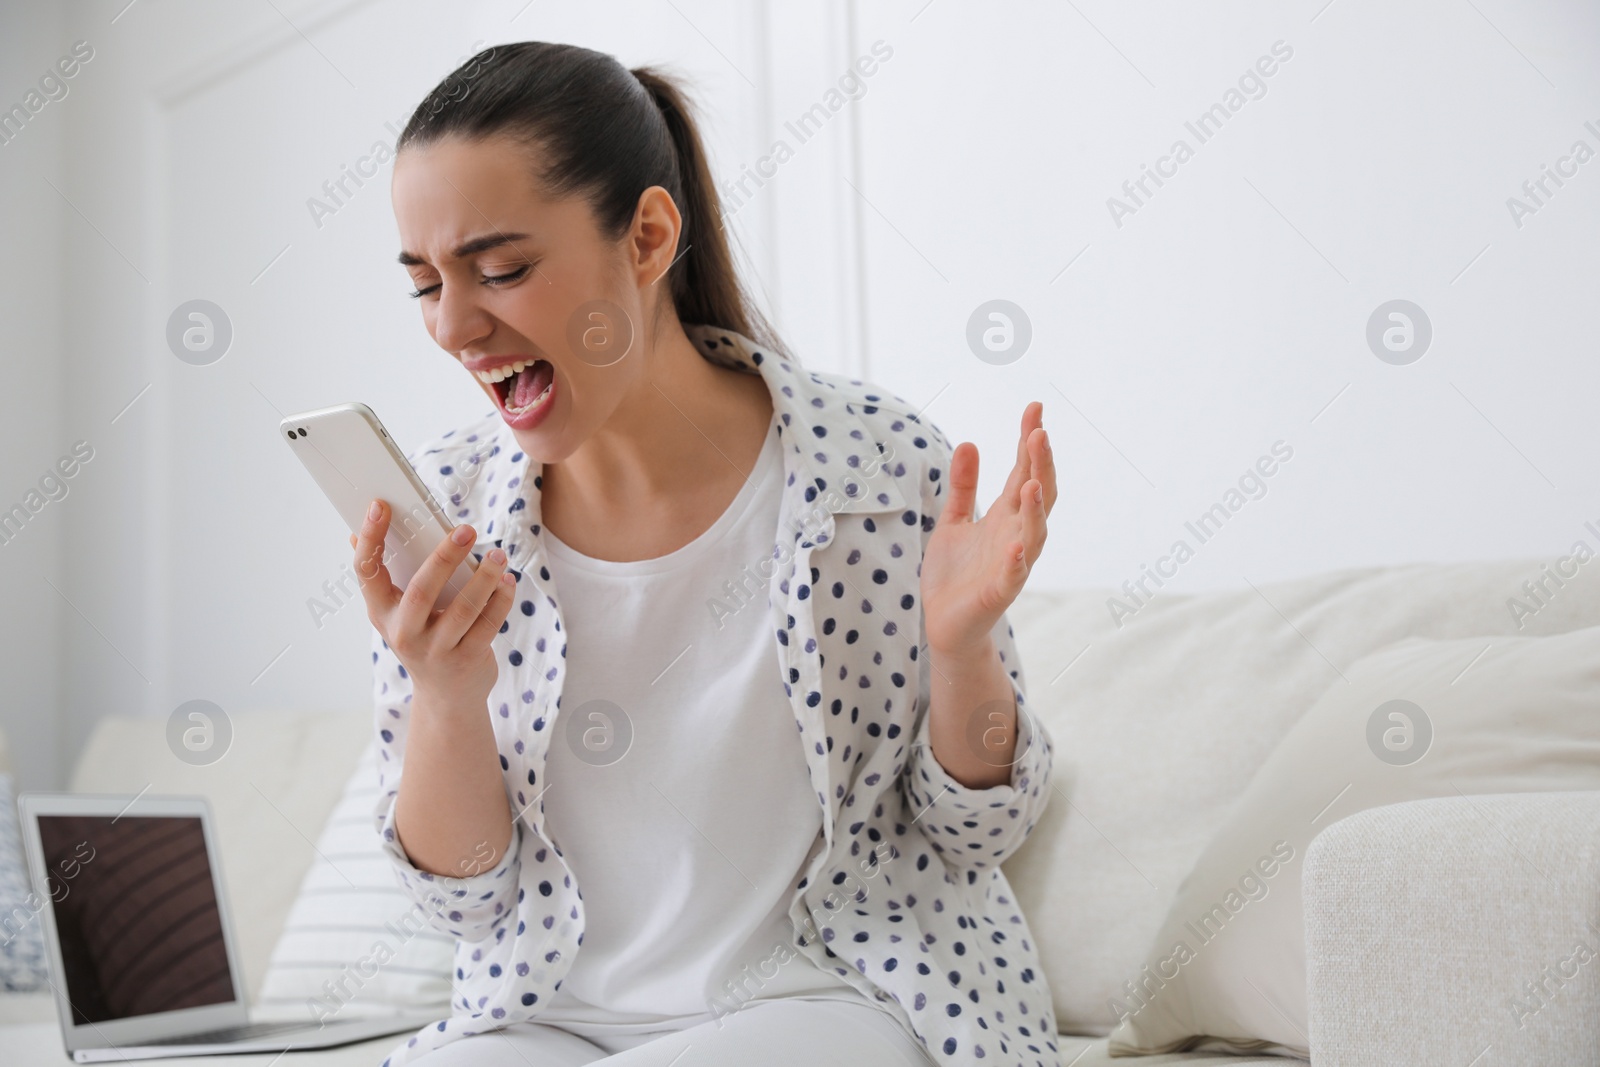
(270, 795)
(1161, 722)
(355, 945)
(1415, 720)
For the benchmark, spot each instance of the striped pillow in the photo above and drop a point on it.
(22, 965)
(354, 946)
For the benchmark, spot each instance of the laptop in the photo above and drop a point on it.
(142, 958)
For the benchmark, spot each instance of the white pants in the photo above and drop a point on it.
(775, 1033)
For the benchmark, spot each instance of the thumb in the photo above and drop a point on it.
(963, 484)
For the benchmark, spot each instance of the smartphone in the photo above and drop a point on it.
(355, 461)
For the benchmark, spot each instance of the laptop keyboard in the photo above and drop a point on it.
(248, 1032)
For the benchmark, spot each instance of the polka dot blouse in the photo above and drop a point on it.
(906, 901)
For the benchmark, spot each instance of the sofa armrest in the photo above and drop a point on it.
(1439, 929)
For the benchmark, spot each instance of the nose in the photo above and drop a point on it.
(458, 320)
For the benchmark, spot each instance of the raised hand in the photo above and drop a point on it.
(973, 569)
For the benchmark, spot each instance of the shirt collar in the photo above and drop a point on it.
(821, 423)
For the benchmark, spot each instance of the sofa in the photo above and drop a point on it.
(1420, 923)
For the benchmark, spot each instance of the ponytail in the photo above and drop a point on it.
(608, 134)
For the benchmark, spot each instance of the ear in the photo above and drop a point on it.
(654, 238)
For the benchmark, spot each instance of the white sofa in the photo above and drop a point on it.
(1158, 726)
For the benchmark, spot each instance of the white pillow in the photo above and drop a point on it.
(354, 945)
(22, 963)
(1161, 724)
(1418, 719)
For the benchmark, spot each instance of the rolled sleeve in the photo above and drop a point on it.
(468, 907)
(980, 828)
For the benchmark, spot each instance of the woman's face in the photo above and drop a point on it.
(509, 282)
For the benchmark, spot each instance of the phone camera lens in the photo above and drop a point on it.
(302, 431)
(291, 435)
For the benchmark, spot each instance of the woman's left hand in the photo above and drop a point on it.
(973, 570)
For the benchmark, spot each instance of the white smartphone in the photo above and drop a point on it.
(355, 461)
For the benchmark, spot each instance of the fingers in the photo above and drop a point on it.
(377, 588)
(416, 606)
(1033, 519)
(1034, 461)
(1044, 465)
(963, 484)
(469, 604)
(1032, 417)
(494, 613)
(1022, 470)
(1020, 554)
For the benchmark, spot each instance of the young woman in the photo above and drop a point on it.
(723, 745)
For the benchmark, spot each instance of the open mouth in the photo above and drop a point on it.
(521, 387)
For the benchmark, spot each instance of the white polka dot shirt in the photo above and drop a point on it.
(906, 901)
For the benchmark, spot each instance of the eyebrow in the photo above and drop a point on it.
(469, 248)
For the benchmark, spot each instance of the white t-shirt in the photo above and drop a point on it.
(689, 847)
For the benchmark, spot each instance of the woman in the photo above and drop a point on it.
(688, 547)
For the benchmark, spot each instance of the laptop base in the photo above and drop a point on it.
(293, 1037)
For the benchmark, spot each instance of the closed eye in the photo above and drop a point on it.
(505, 279)
(488, 279)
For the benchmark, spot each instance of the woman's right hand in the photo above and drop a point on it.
(448, 653)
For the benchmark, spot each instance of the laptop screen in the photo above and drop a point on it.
(136, 913)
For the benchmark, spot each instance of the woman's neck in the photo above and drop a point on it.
(667, 463)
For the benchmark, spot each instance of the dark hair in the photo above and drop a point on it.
(608, 134)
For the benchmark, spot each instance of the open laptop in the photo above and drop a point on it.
(142, 958)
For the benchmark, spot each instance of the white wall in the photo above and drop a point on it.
(32, 434)
(1223, 315)
(1231, 308)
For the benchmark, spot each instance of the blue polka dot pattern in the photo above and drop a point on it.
(907, 901)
